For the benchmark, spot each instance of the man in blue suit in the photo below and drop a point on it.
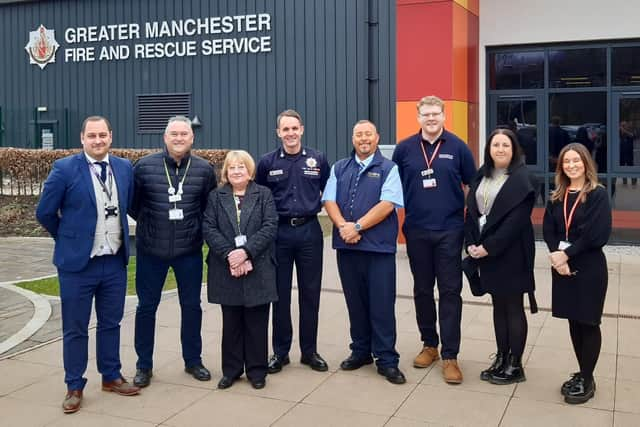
(83, 206)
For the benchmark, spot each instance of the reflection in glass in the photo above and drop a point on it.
(520, 115)
(626, 196)
(516, 70)
(575, 68)
(625, 66)
(583, 117)
(629, 132)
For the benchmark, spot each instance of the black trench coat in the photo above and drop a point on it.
(259, 222)
(507, 236)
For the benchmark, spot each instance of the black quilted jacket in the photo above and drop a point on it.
(155, 233)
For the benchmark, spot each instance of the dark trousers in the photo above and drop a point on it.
(301, 246)
(510, 323)
(105, 279)
(369, 285)
(437, 256)
(245, 342)
(151, 273)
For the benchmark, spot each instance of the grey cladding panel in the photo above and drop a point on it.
(332, 60)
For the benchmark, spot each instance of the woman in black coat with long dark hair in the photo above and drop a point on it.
(499, 236)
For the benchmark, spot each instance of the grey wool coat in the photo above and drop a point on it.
(259, 222)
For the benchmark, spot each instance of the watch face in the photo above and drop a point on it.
(358, 226)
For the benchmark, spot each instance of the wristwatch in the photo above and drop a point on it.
(358, 227)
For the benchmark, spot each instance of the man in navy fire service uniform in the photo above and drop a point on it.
(296, 176)
(434, 165)
(360, 197)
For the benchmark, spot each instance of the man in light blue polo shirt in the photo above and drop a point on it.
(360, 197)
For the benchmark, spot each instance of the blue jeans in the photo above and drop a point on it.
(151, 273)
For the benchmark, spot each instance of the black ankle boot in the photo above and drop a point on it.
(581, 391)
(497, 365)
(512, 372)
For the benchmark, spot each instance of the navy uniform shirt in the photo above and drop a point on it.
(296, 181)
(441, 207)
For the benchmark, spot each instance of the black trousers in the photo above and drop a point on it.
(301, 246)
(436, 256)
(245, 341)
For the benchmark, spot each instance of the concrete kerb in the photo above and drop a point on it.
(42, 312)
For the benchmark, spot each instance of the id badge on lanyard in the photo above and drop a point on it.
(568, 219)
(428, 181)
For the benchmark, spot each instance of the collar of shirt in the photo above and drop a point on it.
(284, 154)
(92, 160)
(364, 163)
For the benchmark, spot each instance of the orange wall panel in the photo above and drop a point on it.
(473, 51)
(406, 119)
(460, 48)
(424, 54)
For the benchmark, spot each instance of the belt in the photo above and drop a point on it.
(294, 221)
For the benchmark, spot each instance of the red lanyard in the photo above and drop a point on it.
(433, 156)
(569, 220)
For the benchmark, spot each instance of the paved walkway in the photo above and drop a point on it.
(32, 387)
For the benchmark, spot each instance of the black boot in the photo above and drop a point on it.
(498, 362)
(581, 391)
(512, 372)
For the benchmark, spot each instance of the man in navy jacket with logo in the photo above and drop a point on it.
(83, 206)
(360, 197)
(434, 166)
(296, 176)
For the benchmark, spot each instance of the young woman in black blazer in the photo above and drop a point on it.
(499, 236)
(576, 225)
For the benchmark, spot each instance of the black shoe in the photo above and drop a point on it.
(258, 384)
(142, 378)
(511, 372)
(498, 362)
(276, 363)
(353, 362)
(198, 372)
(226, 382)
(315, 361)
(580, 392)
(568, 384)
(393, 375)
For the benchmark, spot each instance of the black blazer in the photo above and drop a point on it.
(507, 236)
(259, 222)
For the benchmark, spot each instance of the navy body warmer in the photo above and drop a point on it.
(356, 194)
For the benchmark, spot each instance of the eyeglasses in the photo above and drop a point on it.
(429, 115)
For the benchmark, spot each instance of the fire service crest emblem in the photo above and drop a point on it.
(42, 46)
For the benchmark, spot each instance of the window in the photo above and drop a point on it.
(577, 68)
(517, 70)
(625, 66)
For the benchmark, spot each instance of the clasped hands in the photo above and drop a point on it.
(349, 233)
(239, 262)
(477, 251)
(559, 262)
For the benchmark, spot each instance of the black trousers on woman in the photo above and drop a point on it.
(586, 340)
(245, 341)
(510, 323)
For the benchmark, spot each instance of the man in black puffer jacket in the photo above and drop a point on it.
(171, 190)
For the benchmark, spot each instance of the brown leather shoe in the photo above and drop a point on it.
(121, 386)
(427, 356)
(72, 401)
(451, 371)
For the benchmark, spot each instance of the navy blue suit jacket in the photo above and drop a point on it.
(67, 208)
